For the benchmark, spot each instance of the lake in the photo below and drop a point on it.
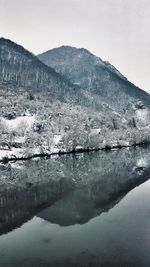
(86, 210)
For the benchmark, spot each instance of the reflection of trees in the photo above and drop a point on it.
(75, 187)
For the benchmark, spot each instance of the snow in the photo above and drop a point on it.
(18, 152)
(19, 139)
(116, 113)
(79, 148)
(96, 131)
(57, 138)
(22, 152)
(14, 124)
(142, 114)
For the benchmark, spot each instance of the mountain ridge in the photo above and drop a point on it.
(81, 103)
(93, 74)
(76, 75)
(16, 62)
(69, 47)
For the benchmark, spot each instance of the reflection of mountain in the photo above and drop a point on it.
(75, 188)
(20, 205)
(98, 196)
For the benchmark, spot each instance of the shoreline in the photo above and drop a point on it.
(14, 158)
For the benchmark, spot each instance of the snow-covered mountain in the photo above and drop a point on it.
(23, 69)
(19, 66)
(96, 76)
(79, 78)
(84, 104)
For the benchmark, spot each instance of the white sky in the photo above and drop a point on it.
(115, 30)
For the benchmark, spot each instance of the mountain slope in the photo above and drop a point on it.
(22, 68)
(96, 76)
(41, 111)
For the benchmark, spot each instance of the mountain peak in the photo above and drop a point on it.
(2, 39)
(95, 76)
(67, 50)
(24, 69)
(5, 41)
(68, 59)
(12, 45)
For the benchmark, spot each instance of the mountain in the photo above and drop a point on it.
(96, 77)
(22, 68)
(91, 106)
(79, 78)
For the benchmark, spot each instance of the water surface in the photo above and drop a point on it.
(84, 210)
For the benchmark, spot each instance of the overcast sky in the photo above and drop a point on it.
(115, 30)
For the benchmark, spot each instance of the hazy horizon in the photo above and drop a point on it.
(116, 32)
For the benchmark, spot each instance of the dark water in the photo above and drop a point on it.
(83, 210)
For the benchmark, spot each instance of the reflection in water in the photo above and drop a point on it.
(76, 188)
(67, 190)
(106, 188)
